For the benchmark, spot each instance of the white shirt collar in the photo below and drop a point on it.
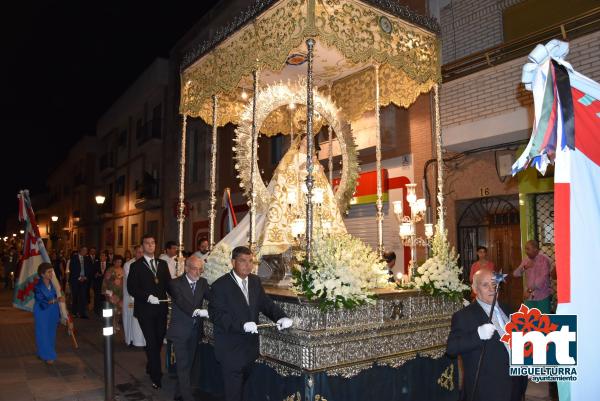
(487, 307)
(238, 279)
(147, 259)
(190, 282)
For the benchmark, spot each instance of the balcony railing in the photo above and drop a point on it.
(107, 161)
(569, 29)
(150, 130)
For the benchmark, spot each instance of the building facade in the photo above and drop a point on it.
(131, 163)
(487, 119)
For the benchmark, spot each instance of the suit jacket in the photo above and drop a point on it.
(98, 274)
(495, 383)
(141, 284)
(75, 268)
(183, 304)
(229, 311)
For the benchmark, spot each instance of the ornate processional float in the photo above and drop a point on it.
(297, 67)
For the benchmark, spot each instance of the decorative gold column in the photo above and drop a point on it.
(440, 159)
(310, 44)
(254, 156)
(379, 203)
(213, 176)
(181, 214)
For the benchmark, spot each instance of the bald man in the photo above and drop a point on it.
(470, 330)
(188, 292)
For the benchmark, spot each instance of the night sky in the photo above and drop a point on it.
(63, 64)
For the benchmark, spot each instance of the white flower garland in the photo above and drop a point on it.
(344, 271)
(218, 263)
(440, 274)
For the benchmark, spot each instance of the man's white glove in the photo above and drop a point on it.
(250, 327)
(486, 331)
(153, 300)
(284, 323)
(200, 312)
(109, 293)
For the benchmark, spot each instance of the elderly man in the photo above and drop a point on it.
(469, 332)
(536, 267)
(236, 299)
(188, 292)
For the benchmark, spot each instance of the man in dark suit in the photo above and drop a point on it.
(185, 328)
(148, 283)
(100, 267)
(236, 299)
(470, 330)
(80, 276)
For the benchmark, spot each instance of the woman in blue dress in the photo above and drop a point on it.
(46, 313)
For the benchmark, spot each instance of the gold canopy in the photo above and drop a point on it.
(351, 37)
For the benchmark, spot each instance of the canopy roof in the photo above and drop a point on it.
(351, 36)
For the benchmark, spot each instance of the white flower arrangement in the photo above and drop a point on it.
(343, 272)
(440, 274)
(218, 263)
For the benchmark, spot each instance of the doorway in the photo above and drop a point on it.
(492, 222)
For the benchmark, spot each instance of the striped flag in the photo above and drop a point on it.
(34, 254)
(229, 212)
(567, 132)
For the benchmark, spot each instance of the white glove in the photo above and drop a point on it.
(200, 312)
(284, 323)
(109, 293)
(153, 300)
(250, 327)
(486, 331)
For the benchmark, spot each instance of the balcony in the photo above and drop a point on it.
(148, 196)
(567, 30)
(107, 163)
(150, 131)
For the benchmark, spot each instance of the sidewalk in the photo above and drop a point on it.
(78, 374)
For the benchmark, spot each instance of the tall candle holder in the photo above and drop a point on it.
(408, 225)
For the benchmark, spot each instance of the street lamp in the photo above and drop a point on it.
(100, 199)
(54, 219)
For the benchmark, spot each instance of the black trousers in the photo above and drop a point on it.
(98, 298)
(154, 328)
(79, 293)
(237, 383)
(185, 354)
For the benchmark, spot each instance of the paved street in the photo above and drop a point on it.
(77, 373)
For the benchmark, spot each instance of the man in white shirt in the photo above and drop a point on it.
(170, 256)
(203, 248)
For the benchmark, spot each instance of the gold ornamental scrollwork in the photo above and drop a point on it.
(351, 27)
(446, 380)
(272, 98)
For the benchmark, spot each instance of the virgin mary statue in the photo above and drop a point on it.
(284, 217)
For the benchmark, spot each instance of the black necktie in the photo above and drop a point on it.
(193, 285)
(152, 266)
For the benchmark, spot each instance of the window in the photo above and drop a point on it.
(123, 138)
(139, 128)
(120, 186)
(120, 236)
(134, 235)
(152, 228)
